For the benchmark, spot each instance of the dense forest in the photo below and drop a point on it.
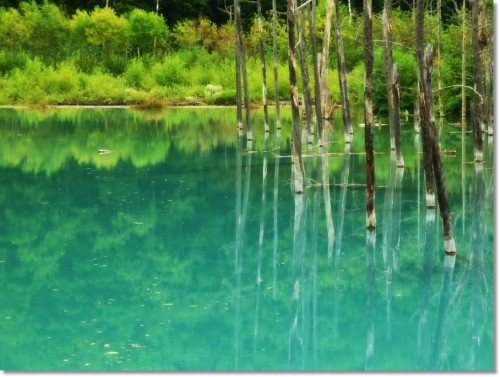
(150, 53)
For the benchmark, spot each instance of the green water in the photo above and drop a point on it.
(178, 252)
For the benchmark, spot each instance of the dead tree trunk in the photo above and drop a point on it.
(370, 160)
(397, 116)
(464, 61)
(243, 67)
(275, 66)
(298, 168)
(326, 100)
(306, 90)
(317, 82)
(430, 196)
(263, 64)
(239, 109)
(429, 122)
(478, 43)
(341, 67)
(439, 66)
(388, 66)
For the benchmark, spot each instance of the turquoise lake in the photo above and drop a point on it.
(150, 241)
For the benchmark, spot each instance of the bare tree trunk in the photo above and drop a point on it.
(439, 66)
(464, 61)
(428, 121)
(430, 196)
(263, 63)
(239, 109)
(341, 67)
(243, 67)
(478, 43)
(305, 77)
(296, 142)
(275, 66)
(388, 65)
(317, 82)
(397, 116)
(326, 100)
(370, 159)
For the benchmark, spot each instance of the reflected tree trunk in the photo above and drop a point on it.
(275, 216)
(370, 298)
(344, 180)
(325, 186)
(263, 64)
(261, 245)
(438, 357)
(341, 67)
(275, 66)
(423, 335)
(370, 160)
(296, 349)
(387, 240)
(298, 168)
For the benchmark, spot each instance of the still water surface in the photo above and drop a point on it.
(176, 251)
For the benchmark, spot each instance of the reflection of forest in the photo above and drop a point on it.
(138, 264)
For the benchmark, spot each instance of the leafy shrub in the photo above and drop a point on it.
(171, 71)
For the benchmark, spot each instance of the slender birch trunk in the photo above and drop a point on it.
(298, 168)
(275, 66)
(341, 67)
(263, 64)
(371, 221)
(388, 65)
(326, 100)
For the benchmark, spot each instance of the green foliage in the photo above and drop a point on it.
(146, 31)
(407, 79)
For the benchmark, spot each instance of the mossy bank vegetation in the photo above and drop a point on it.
(99, 57)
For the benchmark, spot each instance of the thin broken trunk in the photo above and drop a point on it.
(341, 67)
(371, 222)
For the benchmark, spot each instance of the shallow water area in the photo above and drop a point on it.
(151, 241)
